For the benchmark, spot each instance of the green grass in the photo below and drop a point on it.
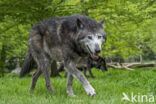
(108, 85)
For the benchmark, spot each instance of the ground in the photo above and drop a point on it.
(109, 86)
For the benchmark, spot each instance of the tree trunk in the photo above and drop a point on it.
(54, 71)
(2, 59)
(128, 66)
(141, 59)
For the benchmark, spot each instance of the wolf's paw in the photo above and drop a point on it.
(90, 91)
(71, 94)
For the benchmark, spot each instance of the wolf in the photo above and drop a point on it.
(99, 63)
(63, 38)
(86, 64)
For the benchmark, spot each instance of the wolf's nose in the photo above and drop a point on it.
(97, 50)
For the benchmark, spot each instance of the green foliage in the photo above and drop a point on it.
(129, 25)
(126, 26)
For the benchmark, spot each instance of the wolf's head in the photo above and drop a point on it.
(91, 36)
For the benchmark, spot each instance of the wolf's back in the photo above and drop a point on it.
(27, 65)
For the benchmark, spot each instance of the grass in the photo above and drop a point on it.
(108, 85)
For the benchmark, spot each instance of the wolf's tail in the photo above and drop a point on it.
(27, 65)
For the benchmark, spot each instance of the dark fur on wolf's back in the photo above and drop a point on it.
(59, 39)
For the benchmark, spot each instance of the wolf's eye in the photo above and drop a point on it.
(99, 37)
(90, 37)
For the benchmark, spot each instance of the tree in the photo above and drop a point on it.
(129, 25)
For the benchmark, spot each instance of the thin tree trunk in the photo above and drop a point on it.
(2, 59)
(141, 59)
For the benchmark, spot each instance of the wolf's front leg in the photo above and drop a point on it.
(71, 68)
(69, 85)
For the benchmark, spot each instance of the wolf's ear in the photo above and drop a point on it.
(102, 21)
(79, 24)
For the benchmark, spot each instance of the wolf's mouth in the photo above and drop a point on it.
(93, 55)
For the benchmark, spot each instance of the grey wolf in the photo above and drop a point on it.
(99, 63)
(63, 38)
(86, 64)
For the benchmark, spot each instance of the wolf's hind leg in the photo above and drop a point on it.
(69, 85)
(43, 63)
(47, 79)
(85, 71)
(90, 72)
(35, 78)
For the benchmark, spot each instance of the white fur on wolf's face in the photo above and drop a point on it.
(93, 41)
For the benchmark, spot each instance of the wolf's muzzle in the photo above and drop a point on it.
(97, 49)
